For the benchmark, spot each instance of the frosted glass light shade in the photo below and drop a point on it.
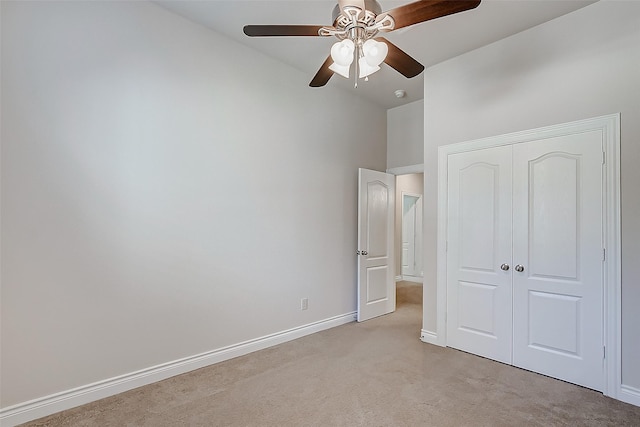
(342, 52)
(365, 68)
(343, 70)
(342, 55)
(374, 52)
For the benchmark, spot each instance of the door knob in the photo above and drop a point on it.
(504, 267)
(519, 268)
(365, 253)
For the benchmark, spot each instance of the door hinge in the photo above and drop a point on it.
(604, 254)
(604, 352)
(604, 157)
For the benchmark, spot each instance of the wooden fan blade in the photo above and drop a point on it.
(323, 75)
(401, 61)
(425, 10)
(281, 30)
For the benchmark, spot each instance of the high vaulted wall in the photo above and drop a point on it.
(405, 135)
(581, 65)
(160, 198)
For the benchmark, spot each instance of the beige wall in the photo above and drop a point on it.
(584, 64)
(405, 135)
(161, 198)
(405, 147)
(411, 183)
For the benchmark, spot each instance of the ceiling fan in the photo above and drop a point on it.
(356, 23)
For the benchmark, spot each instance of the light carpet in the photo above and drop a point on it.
(375, 373)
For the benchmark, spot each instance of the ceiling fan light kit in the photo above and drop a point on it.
(343, 70)
(342, 55)
(365, 69)
(356, 23)
(374, 52)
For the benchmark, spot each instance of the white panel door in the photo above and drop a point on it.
(409, 216)
(479, 243)
(557, 280)
(376, 284)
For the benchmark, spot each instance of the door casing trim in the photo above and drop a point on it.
(408, 277)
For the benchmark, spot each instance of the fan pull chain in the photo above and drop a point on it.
(357, 61)
(355, 74)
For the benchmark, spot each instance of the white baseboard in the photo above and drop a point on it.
(629, 394)
(429, 337)
(41, 407)
(398, 278)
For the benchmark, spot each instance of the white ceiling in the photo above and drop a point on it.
(429, 42)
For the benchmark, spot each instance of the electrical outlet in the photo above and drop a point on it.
(304, 303)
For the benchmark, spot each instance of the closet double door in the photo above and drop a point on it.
(525, 256)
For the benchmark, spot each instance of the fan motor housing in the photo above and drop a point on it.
(370, 5)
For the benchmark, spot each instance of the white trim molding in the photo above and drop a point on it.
(428, 337)
(610, 128)
(41, 407)
(629, 394)
(405, 170)
(418, 232)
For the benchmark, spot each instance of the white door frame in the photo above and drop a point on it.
(419, 214)
(610, 127)
(406, 170)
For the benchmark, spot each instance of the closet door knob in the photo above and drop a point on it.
(504, 267)
(519, 268)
